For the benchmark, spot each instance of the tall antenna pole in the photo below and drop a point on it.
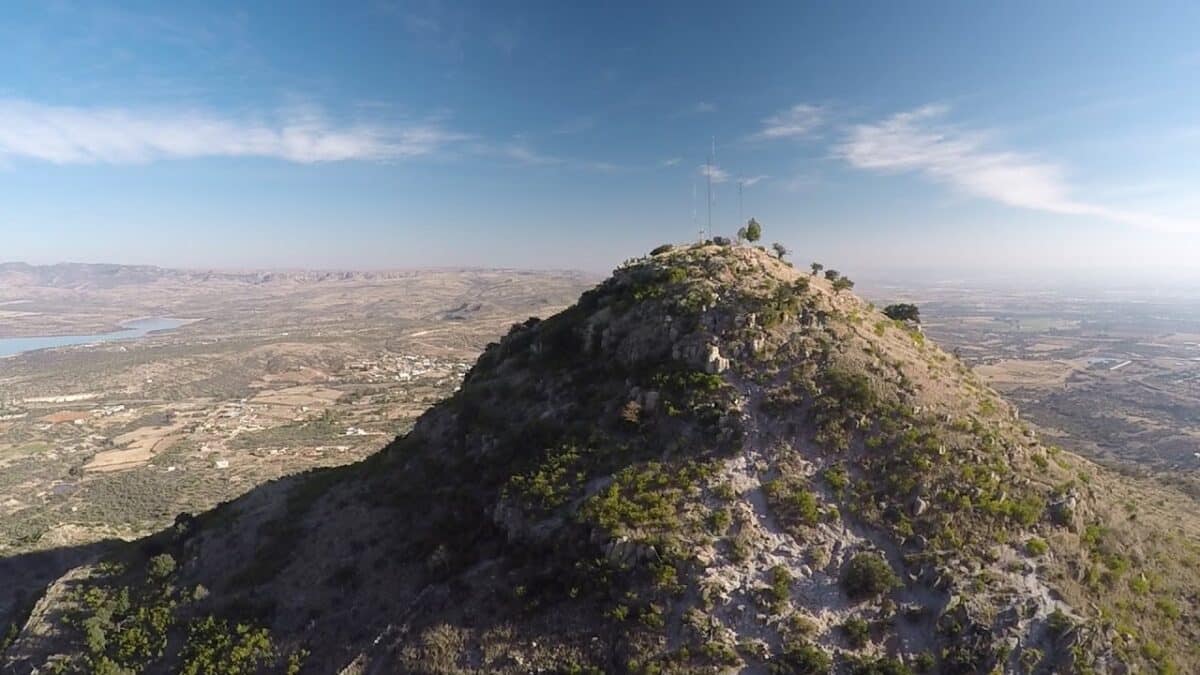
(695, 220)
(712, 158)
(741, 217)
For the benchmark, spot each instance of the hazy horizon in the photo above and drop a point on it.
(869, 281)
(934, 141)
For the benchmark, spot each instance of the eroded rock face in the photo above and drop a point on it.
(714, 363)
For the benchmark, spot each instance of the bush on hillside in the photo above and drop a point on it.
(867, 576)
(903, 311)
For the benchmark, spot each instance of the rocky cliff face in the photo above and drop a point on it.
(712, 462)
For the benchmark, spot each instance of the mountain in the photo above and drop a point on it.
(712, 462)
(102, 276)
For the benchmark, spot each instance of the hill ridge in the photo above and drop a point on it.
(712, 461)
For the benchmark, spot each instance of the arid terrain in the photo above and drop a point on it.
(1113, 375)
(711, 462)
(275, 373)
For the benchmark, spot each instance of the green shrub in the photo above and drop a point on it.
(868, 575)
(801, 659)
(161, 566)
(645, 496)
(836, 478)
(794, 502)
(884, 665)
(1036, 546)
(903, 312)
(215, 648)
(1168, 608)
(1059, 623)
(1092, 536)
(857, 632)
(550, 484)
(719, 521)
(1139, 584)
(781, 587)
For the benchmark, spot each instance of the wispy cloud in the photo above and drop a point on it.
(798, 121)
(705, 107)
(673, 161)
(520, 153)
(919, 141)
(801, 182)
(576, 125)
(714, 172)
(434, 26)
(71, 135)
(751, 180)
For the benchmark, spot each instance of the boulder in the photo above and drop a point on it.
(713, 361)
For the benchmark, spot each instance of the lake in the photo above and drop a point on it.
(129, 330)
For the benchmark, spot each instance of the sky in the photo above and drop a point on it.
(881, 138)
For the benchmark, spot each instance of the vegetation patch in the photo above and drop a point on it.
(868, 575)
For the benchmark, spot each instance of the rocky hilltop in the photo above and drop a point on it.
(713, 462)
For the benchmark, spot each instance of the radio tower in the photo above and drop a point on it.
(741, 218)
(708, 181)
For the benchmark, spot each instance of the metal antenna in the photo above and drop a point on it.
(708, 181)
(741, 217)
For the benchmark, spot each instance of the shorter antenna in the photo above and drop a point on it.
(741, 217)
(708, 169)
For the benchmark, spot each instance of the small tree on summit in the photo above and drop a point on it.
(842, 284)
(832, 275)
(753, 231)
(816, 268)
(780, 250)
(741, 235)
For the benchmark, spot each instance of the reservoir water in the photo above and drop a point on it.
(129, 330)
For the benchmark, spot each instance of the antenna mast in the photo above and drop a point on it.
(708, 182)
(741, 217)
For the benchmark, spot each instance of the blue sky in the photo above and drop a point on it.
(877, 137)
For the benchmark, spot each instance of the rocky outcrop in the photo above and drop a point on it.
(711, 463)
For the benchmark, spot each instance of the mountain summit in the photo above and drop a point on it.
(713, 462)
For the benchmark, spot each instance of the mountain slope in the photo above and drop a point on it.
(711, 462)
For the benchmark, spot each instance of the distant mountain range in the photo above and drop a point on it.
(102, 275)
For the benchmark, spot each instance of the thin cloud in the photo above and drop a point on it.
(575, 125)
(69, 135)
(705, 107)
(713, 172)
(918, 142)
(524, 155)
(798, 121)
(800, 183)
(747, 182)
(674, 161)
